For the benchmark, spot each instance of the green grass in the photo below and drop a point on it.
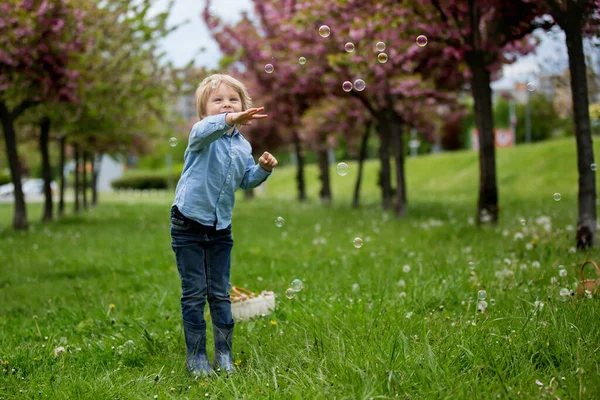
(362, 327)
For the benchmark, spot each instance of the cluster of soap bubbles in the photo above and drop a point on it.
(294, 288)
(349, 47)
(381, 57)
(482, 305)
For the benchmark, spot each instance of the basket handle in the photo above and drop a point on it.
(589, 262)
(241, 291)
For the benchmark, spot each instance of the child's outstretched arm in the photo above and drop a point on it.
(245, 117)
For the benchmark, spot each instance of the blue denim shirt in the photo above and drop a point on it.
(215, 165)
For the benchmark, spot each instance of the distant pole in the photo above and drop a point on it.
(513, 118)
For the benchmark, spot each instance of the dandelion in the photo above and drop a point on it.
(273, 322)
(409, 314)
(535, 264)
(355, 287)
(406, 268)
(518, 236)
(58, 351)
(401, 283)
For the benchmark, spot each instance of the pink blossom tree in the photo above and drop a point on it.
(38, 42)
(481, 35)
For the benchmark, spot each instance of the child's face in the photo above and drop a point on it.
(223, 99)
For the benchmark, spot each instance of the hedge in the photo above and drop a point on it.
(142, 182)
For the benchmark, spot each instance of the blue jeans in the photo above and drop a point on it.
(203, 256)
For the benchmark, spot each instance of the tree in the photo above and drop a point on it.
(38, 41)
(481, 34)
(580, 18)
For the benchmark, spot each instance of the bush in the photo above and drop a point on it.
(141, 182)
(5, 178)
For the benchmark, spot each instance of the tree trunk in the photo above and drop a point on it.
(61, 201)
(482, 96)
(94, 180)
(8, 126)
(300, 166)
(361, 160)
(46, 169)
(76, 183)
(323, 156)
(385, 175)
(84, 183)
(586, 198)
(396, 132)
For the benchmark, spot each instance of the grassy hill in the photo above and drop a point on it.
(397, 317)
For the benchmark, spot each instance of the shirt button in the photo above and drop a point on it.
(222, 192)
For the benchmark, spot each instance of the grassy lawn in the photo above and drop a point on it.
(395, 318)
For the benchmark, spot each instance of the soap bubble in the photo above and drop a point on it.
(290, 293)
(297, 285)
(269, 68)
(421, 40)
(564, 292)
(279, 221)
(324, 31)
(382, 58)
(557, 196)
(562, 273)
(530, 86)
(471, 265)
(173, 142)
(357, 242)
(380, 46)
(302, 60)
(493, 302)
(481, 295)
(359, 85)
(593, 167)
(347, 86)
(342, 169)
(349, 47)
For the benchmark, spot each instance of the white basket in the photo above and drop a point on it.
(246, 305)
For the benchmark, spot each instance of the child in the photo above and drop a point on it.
(217, 161)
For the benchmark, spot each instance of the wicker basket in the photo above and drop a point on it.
(588, 284)
(246, 304)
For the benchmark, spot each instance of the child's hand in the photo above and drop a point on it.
(245, 117)
(267, 161)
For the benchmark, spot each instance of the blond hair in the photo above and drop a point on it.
(211, 83)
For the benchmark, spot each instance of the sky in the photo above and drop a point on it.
(184, 44)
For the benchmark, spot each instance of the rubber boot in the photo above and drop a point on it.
(223, 341)
(196, 359)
